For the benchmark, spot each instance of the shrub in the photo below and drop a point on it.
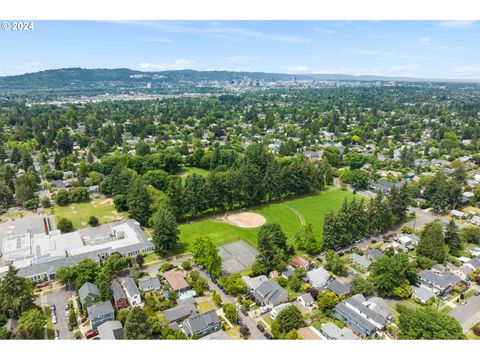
(476, 330)
(93, 221)
(64, 225)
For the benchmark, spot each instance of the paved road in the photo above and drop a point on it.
(469, 314)
(255, 334)
(58, 298)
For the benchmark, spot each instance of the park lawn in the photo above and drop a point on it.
(289, 214)
(185, 171)
(79, 213)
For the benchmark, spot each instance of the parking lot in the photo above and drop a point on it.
(58, 298)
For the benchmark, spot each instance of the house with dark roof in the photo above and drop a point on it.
(338, 288)
(438, 282)
(100, 313)
(270, 293)
(202, 324)
(119, 297)
(88, 294)
(183, 310)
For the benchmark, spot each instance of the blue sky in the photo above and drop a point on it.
(436, 49)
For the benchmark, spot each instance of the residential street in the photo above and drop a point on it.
(255, 334)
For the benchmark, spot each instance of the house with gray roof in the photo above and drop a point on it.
(218, 335)
(306, 300)
(270, 294)
(119, 296)
(338, 288)
(88, 294)
(132, 292)
(442, 282)
(422, 294)
(183, 310)
(332, 332)
(202, 324)
(318, 278)
(111, 330)
(149, 283)
(366, 317)
(100, 313)
(373, 254)
(361, 261)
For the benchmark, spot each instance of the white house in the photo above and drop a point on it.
(132, 292)
(277, 309)
(458, 214)
(306, 300)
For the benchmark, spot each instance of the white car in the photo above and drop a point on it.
(54, 319)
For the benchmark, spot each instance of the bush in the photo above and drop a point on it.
(476, 330)
(165, 267)
(64, 225)
(186, 265)
(93, 221)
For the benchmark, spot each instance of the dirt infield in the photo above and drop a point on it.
(245, 219)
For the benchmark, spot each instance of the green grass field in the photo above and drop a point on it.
(289, 214)
(102, 208)
(185, 171)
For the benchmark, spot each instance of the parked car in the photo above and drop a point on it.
(463, 303)
(57, 334)
(66, 307)
(261, 328)
(374, 241)
(477, 293)
(268, 336)
(53, 308)
(244, 312)
(70, 327)
(54, 319)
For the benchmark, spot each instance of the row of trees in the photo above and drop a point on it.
(358, 219)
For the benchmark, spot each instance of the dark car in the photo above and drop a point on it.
(244, 312)
(374, 241)
(261, 328)
(214, 281)
(70, 327)
(268, 336)
(53, 307)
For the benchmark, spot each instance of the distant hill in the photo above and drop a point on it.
(72, 79)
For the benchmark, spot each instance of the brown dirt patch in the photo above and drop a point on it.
(245, 219)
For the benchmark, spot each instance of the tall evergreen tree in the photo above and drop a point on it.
(139, 201)
(452, 238)
(165, 232)
(432, 242)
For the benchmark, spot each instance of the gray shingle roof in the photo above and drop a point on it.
(87, 289)
(99, 310)
(130, 286)
(197, 323)
(117, 291)
(338, 288)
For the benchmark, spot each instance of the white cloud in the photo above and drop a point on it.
(179, 64)
(298, 69)
(458, 24)
(215, 29)
(467, 70)
(401, 68)
(426, 39)
(324, 30)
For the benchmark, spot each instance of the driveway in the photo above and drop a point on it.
(469, 314)
(58, 298)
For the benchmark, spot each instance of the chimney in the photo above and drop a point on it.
(45, 226)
